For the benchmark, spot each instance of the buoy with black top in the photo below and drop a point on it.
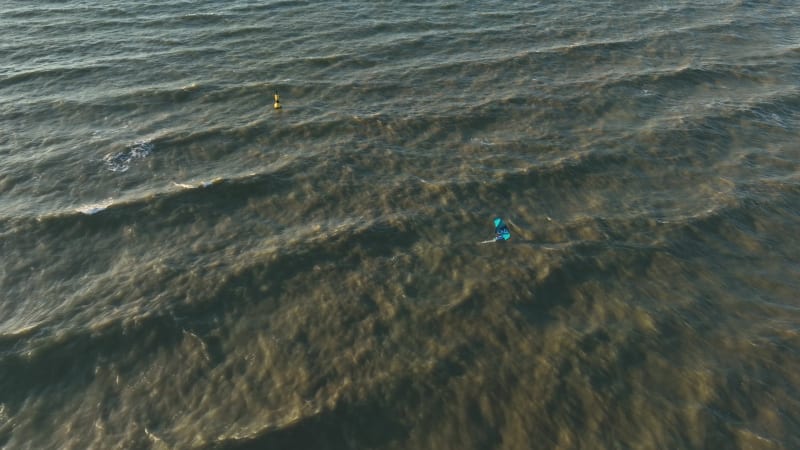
(277, 104)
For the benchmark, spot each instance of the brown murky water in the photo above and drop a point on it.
(184, 267)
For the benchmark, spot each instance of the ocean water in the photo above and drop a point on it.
(182, 266)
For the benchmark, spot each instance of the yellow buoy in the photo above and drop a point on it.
(277, 104)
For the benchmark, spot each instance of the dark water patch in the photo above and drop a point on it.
(585, 263)
(375, 421)
(68, 361)
(49, 76)
(196, 305)
(431, 390)
(725, 232)
(349, 426)
(736, 390)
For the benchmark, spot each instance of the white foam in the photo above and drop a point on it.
(94, 208)
(200, 184)
(121, 161)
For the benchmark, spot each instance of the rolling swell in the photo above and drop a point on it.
(49, 360)
(442, 386)
(207, 198)
(355, 417)
(185, 267)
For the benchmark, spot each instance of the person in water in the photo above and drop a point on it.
(501, 232)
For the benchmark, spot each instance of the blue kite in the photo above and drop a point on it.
(501, 232)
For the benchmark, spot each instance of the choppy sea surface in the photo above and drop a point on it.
(182, 266)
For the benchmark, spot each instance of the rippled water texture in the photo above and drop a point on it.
(185, 267)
